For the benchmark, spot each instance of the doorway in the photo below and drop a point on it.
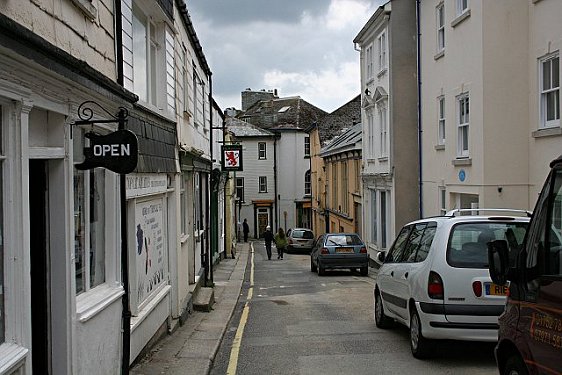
(39, 262)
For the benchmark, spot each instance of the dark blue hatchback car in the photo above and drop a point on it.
(338, 251)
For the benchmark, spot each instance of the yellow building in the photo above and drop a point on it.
(329, 149)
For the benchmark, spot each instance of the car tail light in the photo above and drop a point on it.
(435, 286)
(363, 250)
(324, 250)
(477, 288)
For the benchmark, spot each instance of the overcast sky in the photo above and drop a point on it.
(299, 47)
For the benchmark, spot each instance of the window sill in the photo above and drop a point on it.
(462, 162)
(92, 302)
(12, 357)
(547, 132)
(439, 147)
(262, 192)
(439, 54)
(184, 238)
(536, 1)
(382, 72)
(460, 18)
(382, 159)
(87, 8)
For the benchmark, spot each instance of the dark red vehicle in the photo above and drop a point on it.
(530, 333)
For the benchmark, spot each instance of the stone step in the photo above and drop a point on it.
(204, 299)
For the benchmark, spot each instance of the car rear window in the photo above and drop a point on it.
(468, 248)
(303, 234)
(343, 240)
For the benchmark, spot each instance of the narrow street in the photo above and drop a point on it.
(300, 323)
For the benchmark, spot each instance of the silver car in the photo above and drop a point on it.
(300, 239)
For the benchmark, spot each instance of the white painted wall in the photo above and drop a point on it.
(292, 166)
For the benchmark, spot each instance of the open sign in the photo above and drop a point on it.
(117, 151)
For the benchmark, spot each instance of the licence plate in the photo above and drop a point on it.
(496, 290)
(344, 250)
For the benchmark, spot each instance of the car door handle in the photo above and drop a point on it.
(392, 273)
(406, 275)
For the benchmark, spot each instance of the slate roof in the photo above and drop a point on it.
(243, 129)
(346, 116)
(349, 140)
(277, 112)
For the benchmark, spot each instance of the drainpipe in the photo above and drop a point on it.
(214, 206)
(126, 307)
(420, 177)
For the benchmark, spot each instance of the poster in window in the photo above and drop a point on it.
(149, 247)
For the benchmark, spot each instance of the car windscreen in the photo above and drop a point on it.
(343, 240)
(306, 234)
(468, 248)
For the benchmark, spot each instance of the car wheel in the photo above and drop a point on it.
(364, 271)
(381, 320)
(419, 345)
(312, 265)
(515, 366)
(321, 270)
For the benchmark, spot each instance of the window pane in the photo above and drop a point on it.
(97, 227)
(140, 70)
(425, 243)
(383, 219)
(555, 72)
(552, 105)
(79, 230)
(546, 75)
(465, 138)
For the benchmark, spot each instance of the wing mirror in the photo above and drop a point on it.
(498, 261)
(381, 256)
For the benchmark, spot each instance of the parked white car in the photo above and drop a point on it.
(435, 277)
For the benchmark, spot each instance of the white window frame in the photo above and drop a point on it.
(183, 206)
(463, 125)
(262, 151)
(381, 43)
(441, 130)
(383, 128)
(262, 184)
(440, 22)
(553, 89)
(147, 89)
(307, 183)
(369, 63)
(442, 200)
(240, 187)
(306, 147)
(345, 188)
(462, 6)
(3, 121)
(371, 134)
(110, 222)
(185, 80)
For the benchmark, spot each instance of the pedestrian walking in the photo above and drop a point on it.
(281, 243)
(245, 229)
(268, 236)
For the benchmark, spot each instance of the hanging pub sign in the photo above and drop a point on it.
(231, 159)
(117, 151)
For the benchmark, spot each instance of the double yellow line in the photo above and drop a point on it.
(235, 351)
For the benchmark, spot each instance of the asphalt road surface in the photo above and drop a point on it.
(291, 321)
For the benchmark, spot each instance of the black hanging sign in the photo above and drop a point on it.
(117, 151)
(231, 159)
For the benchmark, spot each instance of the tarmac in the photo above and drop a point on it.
(191, 348)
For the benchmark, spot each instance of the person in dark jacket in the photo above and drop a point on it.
(245, 229)
(268, 237)
(281, 243)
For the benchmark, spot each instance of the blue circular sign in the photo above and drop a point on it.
(462, 175)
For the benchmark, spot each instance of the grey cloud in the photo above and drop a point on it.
(227, 12)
